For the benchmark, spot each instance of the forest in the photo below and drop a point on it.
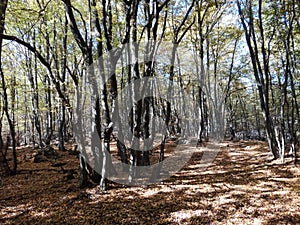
(149, 112)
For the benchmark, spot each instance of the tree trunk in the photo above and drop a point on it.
(3, 6)
(261, 73)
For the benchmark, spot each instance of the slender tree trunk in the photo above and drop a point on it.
(3, 6)
(49, 114)
(62, 113)
(32, 77)
(261, 73)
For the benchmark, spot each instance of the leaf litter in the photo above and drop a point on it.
(241, 186)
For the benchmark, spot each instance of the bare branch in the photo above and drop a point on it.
(42, 60)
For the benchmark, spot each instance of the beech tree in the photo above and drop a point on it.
(6, 103)
(56, 52)
(262, 41)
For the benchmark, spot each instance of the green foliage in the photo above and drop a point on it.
(215, 23)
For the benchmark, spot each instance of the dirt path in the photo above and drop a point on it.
(242, 186)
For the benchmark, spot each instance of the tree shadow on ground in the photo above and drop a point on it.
(241, 186)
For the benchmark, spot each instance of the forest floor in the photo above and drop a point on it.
(242, 186)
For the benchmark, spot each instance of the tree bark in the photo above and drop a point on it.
(3, 6)
(261, 75)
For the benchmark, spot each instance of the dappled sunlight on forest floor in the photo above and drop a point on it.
(241, 186)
